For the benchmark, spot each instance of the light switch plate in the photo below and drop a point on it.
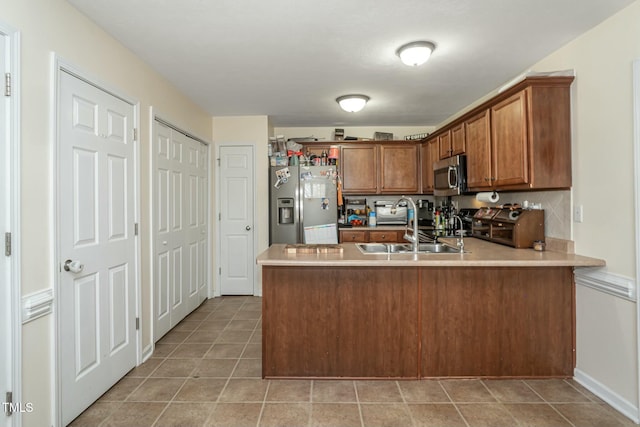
(578, 215)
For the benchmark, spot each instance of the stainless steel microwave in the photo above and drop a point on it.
(450, 176)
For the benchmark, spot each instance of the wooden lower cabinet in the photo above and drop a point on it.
(370, 236)
(498, 322)
(353, 236)
(339, 322)
(418, 322)
(386, 236)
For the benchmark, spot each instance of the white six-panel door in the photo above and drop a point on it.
(180, 224)
(237, 259)
(96, 214)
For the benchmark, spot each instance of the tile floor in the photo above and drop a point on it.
(206, 372)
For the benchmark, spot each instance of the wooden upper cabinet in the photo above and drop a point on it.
(381, 168)
(527, 130)
(429, 153)
(444, 144)
(509, 141)
(478, 134)
(399, 168)
(452, 142)
(359, 165)
(458, 140)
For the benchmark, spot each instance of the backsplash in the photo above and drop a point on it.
(556, 205)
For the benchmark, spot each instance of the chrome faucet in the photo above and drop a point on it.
(415, 241)
(460, 240)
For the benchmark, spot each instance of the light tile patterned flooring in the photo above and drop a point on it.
(207, 372)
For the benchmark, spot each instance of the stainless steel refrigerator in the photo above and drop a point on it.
(303, 204)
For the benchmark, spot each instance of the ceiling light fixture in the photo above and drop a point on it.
(352, 103)
(415, 53)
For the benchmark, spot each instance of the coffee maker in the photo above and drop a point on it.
(425, 212)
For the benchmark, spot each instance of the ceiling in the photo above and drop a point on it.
(290, 59)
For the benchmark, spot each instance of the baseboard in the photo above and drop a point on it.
(616, 401)
(147, 352)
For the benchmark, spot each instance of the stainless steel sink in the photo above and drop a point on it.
(437, 248)
(383, 248)
(396, 248)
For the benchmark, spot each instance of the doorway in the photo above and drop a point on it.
(236, 242)
(10, 325)
(180, 225)
(97, 283)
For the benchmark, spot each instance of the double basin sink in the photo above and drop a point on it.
(398, 248)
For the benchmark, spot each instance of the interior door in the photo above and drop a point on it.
(6, 327)
(96, 202)
(196, 223)
(180, 221)
(237, 258)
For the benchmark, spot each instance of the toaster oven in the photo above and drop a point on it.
(384, 216)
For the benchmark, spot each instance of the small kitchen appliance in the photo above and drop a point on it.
(450, 176)
(386, 216)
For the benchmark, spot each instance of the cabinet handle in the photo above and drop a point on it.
(493, 179)
(383, 236)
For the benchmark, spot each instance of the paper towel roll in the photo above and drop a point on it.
(488, 197)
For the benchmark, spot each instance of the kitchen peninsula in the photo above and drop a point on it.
(494, 311)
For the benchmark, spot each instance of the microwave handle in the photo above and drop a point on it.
(453, 169)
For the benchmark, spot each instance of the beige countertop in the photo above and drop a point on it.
(480, 254)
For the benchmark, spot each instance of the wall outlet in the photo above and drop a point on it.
(578, 213)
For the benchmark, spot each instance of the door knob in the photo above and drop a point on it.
(73, 266)
(248, 227)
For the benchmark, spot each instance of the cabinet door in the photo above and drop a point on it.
(458, 140)
(359, 236)
(478, 135)
(444, 142)
(384, 236)
(399, 168)
(429, 153)
(509, 141)
(359, 169)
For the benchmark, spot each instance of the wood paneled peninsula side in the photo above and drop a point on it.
(492, 312)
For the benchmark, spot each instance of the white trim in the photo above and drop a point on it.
(147, 352)
(37, 304)
(216, 227)
(58, 65)
(626, 408)
(13, 140)
(601, 280)
(636, 169)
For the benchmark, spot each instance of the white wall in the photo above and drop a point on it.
(48, 26)
(250, 130)
(603, 182)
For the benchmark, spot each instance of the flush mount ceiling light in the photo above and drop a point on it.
(415, 53)
(352, 103)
